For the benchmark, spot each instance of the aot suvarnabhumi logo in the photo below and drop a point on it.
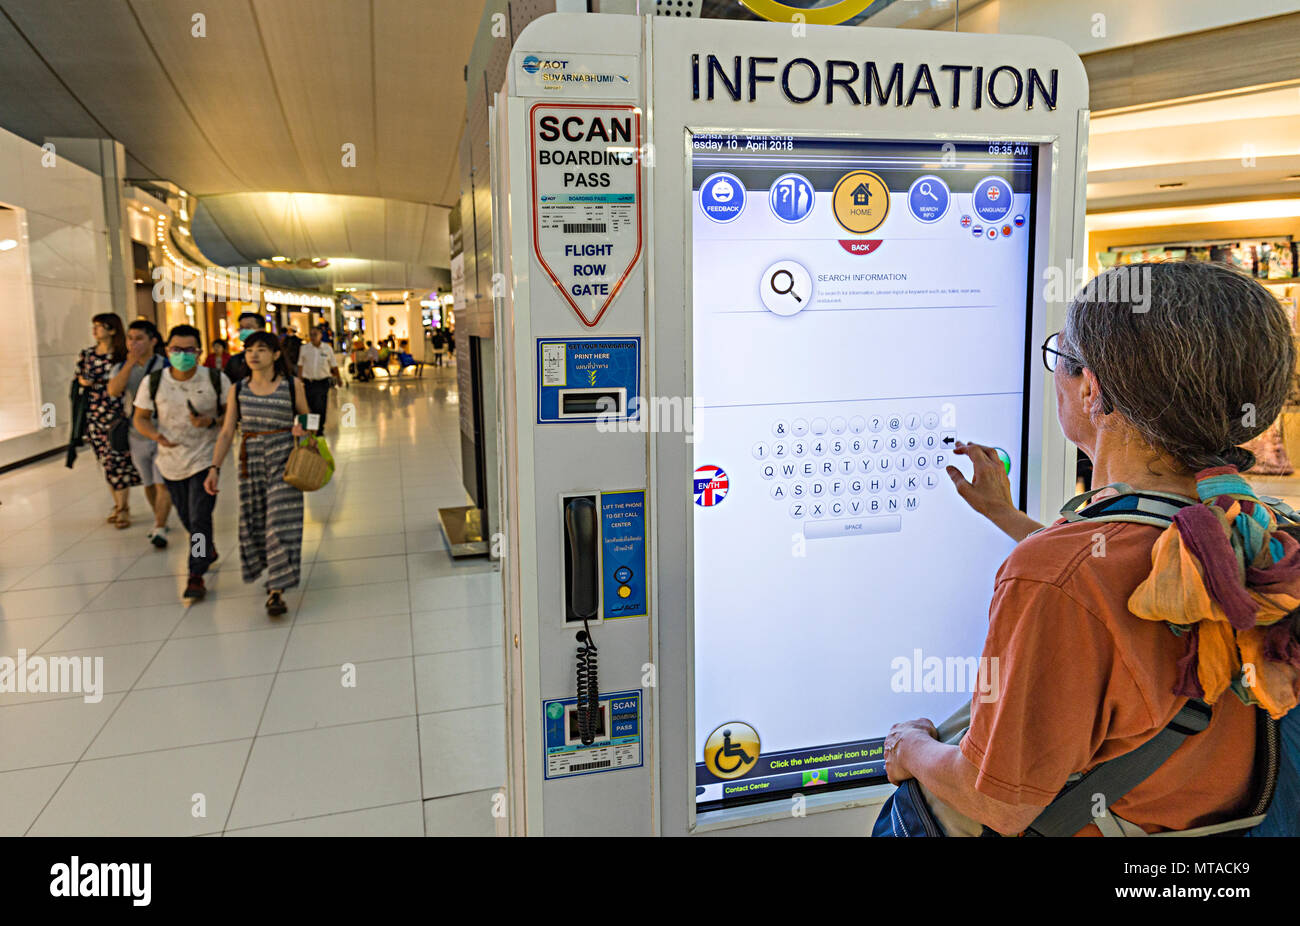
(532, 64)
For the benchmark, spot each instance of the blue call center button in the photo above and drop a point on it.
(791, 197)
(928, 199)
(991, 199)
(722, 197)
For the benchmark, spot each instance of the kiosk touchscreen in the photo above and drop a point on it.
(858, 306)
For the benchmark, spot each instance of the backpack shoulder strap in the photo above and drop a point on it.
(155, 380)
(1072, 809)
(1269, 769)
(1280, 508)
(214, 376)
(1154, 508)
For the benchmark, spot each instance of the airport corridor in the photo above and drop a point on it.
(217, 719)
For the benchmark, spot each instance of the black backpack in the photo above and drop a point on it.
(214, 376)
(119, 432)
(236, 368)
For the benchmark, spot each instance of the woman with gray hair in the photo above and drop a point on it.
(1159, 394)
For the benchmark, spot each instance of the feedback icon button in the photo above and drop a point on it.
(722, 197)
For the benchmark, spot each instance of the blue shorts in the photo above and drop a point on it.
(144, 454)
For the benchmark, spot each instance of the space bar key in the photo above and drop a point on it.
(852, 527)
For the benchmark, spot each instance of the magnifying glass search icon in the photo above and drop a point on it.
(927, 190)
(789, 286)
(786, 288)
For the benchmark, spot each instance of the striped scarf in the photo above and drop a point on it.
(1228, 581)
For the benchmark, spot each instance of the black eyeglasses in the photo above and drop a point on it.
(1051, 352)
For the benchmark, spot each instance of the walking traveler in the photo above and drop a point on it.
(104, 411)
(144, 356)
(265, 408)
(318, 371)
(187, 408)
(249, 322)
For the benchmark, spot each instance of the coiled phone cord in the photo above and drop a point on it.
(588, 687)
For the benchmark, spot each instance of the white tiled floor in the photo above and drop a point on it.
(219, 719)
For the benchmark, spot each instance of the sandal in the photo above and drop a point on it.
(275, 605)
(121, 518)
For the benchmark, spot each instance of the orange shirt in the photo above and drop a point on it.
(1081, 680)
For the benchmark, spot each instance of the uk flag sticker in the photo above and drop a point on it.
(965, 221)
(710, 486)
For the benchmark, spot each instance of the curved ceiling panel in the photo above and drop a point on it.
(264, 100)
(295, 225)
(244, 228)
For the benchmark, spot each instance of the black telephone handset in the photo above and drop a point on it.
(582, 602)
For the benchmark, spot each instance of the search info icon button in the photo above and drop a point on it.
(928, 199)
(786, 288)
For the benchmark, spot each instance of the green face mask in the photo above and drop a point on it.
(182, 361)
(245, 334)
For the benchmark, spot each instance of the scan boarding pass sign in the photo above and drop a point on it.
(586, 177)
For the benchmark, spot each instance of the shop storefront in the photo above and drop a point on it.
(1208, 179)
(1265, 248)
(297, 313)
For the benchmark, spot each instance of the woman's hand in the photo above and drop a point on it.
(210, 481)
(896, 746)
(164, 442)
(989, 489)
(84, 382)
(298, 430)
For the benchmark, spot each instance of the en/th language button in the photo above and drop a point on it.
(855, 527)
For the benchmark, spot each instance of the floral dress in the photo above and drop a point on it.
(103, 411)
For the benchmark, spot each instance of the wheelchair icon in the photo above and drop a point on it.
(732, 749)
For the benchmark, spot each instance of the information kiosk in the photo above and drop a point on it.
(759, 278)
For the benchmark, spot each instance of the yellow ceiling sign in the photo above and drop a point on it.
(833, 14)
